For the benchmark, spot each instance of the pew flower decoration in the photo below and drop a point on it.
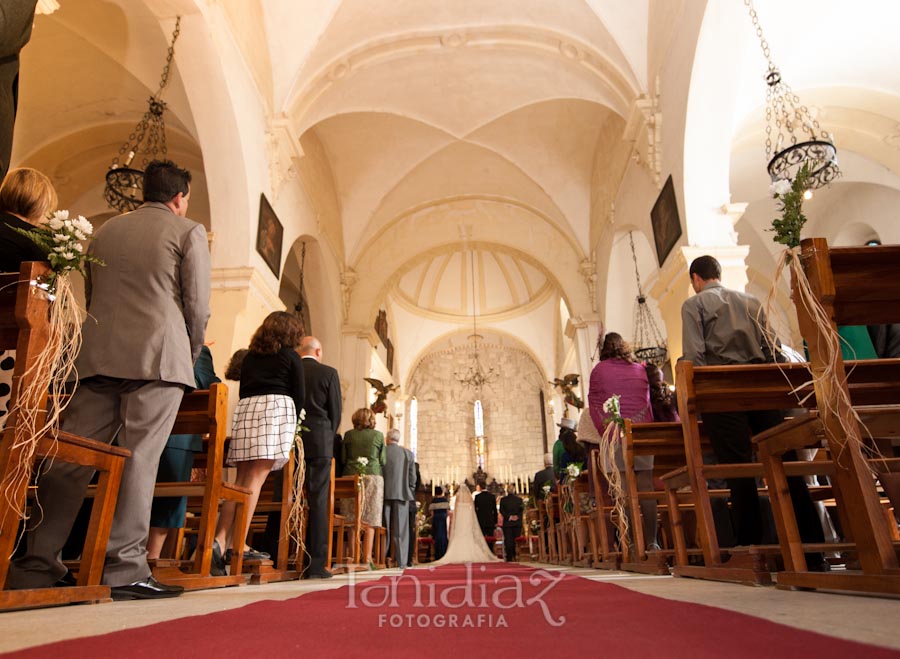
(295, 515)
(546, 490)
(612, 408)
(573, 470)
(61, 237)
(362, 466)
(789, 195)
(301, 417)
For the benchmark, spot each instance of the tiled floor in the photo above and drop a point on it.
(866, 619)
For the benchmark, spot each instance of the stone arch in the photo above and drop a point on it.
(321, 311)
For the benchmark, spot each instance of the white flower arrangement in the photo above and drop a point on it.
(612, 408)
(780, 187)
(546, 489)
(61, 236)
(573, 470)
(362, 465)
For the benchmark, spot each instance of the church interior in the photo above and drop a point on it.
(460, 197)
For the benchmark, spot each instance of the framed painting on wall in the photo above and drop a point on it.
(665, 221)
(269, 235)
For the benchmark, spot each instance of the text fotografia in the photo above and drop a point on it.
(477, 601)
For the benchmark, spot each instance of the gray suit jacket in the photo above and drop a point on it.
(399, 474)
(149, 305)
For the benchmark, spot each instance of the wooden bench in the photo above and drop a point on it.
(745, 388)
(855, 286)
(205, 412)
(608, 557)
(24, 325)
(664, 441)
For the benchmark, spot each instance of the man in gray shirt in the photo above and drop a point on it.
(722, 326)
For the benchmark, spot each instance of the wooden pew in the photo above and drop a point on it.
(24, 325)
(281, 567)
(855, 286)
(742, 388)
(608, 556)
(664, 441)
(347, 487)
(205, 412)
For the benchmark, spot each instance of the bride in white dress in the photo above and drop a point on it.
(467, 544)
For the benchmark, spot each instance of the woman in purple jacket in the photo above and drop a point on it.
(620, 373)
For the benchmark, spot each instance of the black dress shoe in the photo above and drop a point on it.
(217, 567)
(324, 574)
(66, 581)
(146, 589)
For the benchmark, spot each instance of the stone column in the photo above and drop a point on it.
(356, 363)
(240, 299)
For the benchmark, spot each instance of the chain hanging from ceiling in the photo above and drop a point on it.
(125, 184)
(792, 132)
(475, 377)
(649, 344)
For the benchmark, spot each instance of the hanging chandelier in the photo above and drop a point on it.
(475, 376)
(649, 344)
(124, 189)
(794, 138)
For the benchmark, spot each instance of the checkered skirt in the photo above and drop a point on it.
(263, 429)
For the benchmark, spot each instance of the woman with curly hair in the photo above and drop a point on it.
(265, 421)
(619, 373)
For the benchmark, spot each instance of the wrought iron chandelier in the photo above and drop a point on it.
(649, 344)
(475, 377)
(124, 183)
(792, 133)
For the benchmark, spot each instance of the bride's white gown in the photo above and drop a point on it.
(467, 544)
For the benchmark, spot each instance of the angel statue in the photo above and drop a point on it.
(566, 386)
(380, 404)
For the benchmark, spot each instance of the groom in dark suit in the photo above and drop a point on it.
(486, 512)
(511, 508)
(323, 416)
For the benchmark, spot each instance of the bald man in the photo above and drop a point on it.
(323, 417)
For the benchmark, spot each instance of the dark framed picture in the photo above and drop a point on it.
(269, 235)
(665, 221)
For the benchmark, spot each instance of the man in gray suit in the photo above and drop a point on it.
(399, 480)
(147, 314)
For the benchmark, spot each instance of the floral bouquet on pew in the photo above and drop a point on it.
(60, 237)
(610, 440)
(789, 195)
(295, 516)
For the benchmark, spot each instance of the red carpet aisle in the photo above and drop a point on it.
(491, 610)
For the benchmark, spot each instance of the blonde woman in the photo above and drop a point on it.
(366, 442)
(26, 198)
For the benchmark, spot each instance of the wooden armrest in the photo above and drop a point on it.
(800, 432)
(676, 478)
(92, 444)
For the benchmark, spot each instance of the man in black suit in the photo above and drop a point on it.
(545, 477)
(323, 416)
(16, 20)
(486, 512)
(511, 507)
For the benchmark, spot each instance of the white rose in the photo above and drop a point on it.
(780, 187)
